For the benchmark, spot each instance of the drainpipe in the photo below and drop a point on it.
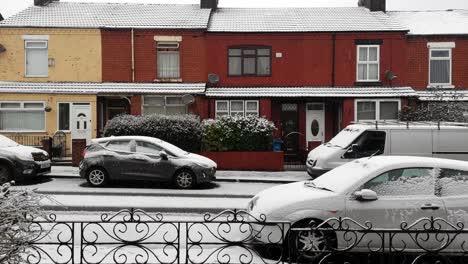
(333, 59)
(133, 55)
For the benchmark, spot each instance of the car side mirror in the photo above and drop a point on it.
(163, 155)
(350, 152)
(366, 195)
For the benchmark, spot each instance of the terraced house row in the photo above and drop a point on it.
(73, 66)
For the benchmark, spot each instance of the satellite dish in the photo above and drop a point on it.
(390, 76)
(188, 99)
(213, 78)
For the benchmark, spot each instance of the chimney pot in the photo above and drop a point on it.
(209, 4)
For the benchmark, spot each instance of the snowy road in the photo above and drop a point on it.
(76, 194)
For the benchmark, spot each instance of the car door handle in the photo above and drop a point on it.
(430, 207)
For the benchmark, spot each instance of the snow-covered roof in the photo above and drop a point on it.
(111, 15)
(310, 92)
(340, 19)
(441, 95)
(448, 22)
(102, 88)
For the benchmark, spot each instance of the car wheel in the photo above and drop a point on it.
(184, 179)
(310, 246)
(5, 174)
(97, 177)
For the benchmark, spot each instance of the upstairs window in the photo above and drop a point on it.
(368, 63)
(440, 67)
(37, 64)
(168, 60)
(249, 61)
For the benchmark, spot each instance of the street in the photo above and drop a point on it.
(66, 194)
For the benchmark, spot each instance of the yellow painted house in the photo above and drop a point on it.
(45, 55)
(51, 67)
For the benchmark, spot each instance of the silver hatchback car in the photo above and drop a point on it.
(143, 158)
(384, 190)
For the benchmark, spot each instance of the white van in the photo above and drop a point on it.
(365, 139)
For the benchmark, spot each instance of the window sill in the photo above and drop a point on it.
(440, 86)
(369, 83)
(170, 80)
(36, 76)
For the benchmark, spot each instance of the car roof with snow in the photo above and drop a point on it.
(389, 162)
(112, 138)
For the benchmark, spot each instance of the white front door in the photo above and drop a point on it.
(81, 123)
(315, 122)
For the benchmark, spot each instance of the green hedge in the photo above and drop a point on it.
(237, 134)
(183, 131)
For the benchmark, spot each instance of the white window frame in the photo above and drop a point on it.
(440, 85)
(229, 111)
(377, 108)
(225, 112)
(165, 103)
(237, 112)
(257, 110)
(46, 41)
(70, 104)
(367, 63)
(176, 47)
(26, 110)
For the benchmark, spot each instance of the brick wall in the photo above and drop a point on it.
(116, 45)
(418, 61)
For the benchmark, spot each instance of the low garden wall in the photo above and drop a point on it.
(254, 161)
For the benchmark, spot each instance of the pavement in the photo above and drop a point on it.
(221, 175)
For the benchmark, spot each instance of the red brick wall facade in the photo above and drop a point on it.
(418, 61)
(306, 58)
(117, 66)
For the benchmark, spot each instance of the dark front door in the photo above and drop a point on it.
(290, 127)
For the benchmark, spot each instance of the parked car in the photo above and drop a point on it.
(19, 163)
(440, 140)
(382, 190)
(143, 158)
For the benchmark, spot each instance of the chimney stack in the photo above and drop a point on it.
(373, 5)
(209, 4)
(43, 2)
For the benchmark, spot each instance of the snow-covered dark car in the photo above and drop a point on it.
(19, 163)
(143, 158)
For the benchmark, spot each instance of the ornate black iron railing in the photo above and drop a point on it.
(233, 236)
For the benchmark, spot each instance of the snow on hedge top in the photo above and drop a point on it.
(448, 22)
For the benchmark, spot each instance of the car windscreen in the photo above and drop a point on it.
(172, 150)
(345, 137)
(341, 178)
(6, 142)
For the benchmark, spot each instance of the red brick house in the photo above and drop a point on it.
(312, 71)
(437, 53)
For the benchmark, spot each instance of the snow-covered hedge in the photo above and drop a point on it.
(434, 111)
(183, 131)
(237, 134)
(17, 211)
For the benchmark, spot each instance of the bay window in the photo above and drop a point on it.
(236, 107)
(164, 105)
(22, 116)
(370, 110)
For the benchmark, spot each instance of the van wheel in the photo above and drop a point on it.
(310, 246)
(184, 179)
(5, 174)
(97, 177)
